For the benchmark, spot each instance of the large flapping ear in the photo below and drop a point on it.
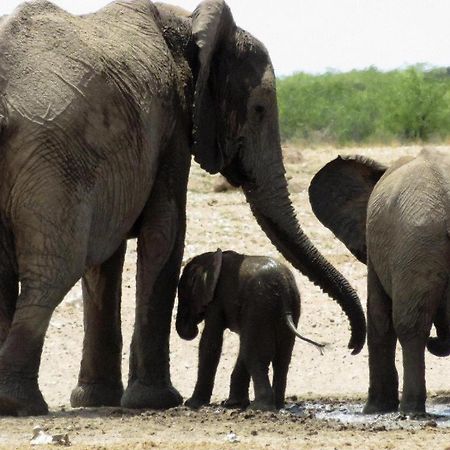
(200, 277)
(339, 194)
(210, 276)
(212, 24)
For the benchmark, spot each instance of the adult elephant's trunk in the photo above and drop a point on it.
(272, 208)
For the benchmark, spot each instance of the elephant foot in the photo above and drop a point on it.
(416, 407)
(96, 394)
(142, 396)
(21, 397)
(380, 407)
(196, 403)
(262, 405)
(234, 403)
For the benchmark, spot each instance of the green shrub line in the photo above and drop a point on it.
(366, 106)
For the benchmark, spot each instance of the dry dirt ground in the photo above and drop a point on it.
(319, 385)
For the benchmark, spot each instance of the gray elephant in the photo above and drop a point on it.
(99, 117)
(403, 213)
(254, 296)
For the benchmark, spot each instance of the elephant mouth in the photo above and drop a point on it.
(235, 172)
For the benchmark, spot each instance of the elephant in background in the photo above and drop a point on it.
(99, 117)
(254, 296)
(403, 213)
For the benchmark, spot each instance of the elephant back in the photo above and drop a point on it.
(50, 57)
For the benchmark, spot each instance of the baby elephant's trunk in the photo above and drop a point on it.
(439, 347)
(291, 325)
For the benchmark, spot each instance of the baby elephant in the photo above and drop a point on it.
(253, 296)
(397, 221)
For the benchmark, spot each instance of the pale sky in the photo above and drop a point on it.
(316, 35)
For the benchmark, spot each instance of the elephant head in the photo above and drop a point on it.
(236, 133)
(339, 194)
(196, 291)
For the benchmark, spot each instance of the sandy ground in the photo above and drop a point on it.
(224, 220)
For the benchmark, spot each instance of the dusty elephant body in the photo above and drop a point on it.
(253, 296)
(407, 255)
(99, 116)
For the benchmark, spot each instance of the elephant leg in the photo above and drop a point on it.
(100, 377)
(381, 340)
(258, 354)
(20, 354)
(414, 386)
(9, 290)
(280, 364)
(160, 251)
(413, 315)
(210, 349)
(239, 385)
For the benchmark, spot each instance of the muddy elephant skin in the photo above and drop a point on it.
(254, 296)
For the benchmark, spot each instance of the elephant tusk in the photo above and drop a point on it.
(291, 325)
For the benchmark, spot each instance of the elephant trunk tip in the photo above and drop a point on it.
(187, 333)
(438, 347)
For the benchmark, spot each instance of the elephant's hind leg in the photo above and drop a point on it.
(381, 339)
(258, 352)
(414, 309)
(21, 352)
(239, 385)
(280, 365)
(100, 379)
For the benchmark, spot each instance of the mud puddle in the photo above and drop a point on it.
(438, 415)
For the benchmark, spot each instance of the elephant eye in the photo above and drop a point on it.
(259, 109)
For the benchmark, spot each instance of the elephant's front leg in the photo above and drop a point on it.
(209, 353)
(160, 251)
(100, 378)
(381, 340)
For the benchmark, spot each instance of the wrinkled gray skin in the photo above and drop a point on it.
(99, 116)
(406, 210)
(252, 296)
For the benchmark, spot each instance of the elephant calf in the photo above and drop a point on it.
(405, 211)
(253, 296)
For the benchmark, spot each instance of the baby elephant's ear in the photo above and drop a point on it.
(339, 194)
(210, 276)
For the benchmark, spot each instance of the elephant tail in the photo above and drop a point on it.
(438, 347)
(291, 326)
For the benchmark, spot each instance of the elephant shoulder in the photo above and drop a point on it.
(42, 58)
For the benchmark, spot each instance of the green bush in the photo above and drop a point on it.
(365, 106)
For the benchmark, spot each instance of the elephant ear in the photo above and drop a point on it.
(206, 277)
(212, 24)
(339, 194)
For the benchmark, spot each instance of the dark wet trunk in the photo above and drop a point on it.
(186, 329)
(272, 208)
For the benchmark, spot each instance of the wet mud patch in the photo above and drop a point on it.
(351, 415)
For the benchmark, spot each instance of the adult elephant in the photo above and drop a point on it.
(99, 116)
(402, 213)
